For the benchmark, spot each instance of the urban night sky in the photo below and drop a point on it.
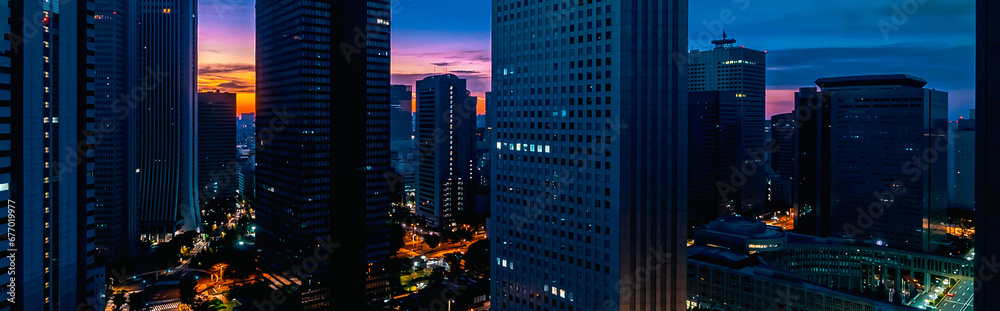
(804, 41)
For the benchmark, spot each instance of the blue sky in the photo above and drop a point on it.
(805, 40)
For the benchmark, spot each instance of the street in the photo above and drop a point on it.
(963, 298)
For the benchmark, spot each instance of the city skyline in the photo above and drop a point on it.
(800, 49)
(505, 155)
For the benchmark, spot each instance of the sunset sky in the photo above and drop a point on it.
(804, 40)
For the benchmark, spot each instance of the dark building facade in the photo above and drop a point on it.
(245, 130)
(401, 112)
(783, 143)
(782, 160)
(323, 148)
(162, 154)
(445, 138)
(713, 134)
(217, 153)
(810, 189)
(46, 162)
(116, 230)
(728, 67)
(858, 141)
(987, 151)
(962, 164)
(591, 155)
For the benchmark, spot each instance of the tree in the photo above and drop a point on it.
(138, 300)
(432, 240)
(396, 234)
(119, 300)
(477, 259)
(450, 237)
(464, 234)
(187, 291)
(454, 262)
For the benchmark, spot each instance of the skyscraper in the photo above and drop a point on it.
(163, 62)
(713, 134)
(445, 137)
(884, 158)
(810, 186)
(782, 159)
(987, 151)
(962, 164)
(728, 67)
(591, 155)
(217, 153)
(323, 148)
(783, 142)
(401, 112)
(116, 229)
(47, 77)
(245, 130)
(246, 139)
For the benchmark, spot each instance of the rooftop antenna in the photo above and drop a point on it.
(725, 42)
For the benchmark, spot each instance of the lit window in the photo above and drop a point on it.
(4, 186)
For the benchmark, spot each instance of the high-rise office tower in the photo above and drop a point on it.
(590, 162)
(882, 158)
(116, 230)
(162, 150)
(782, 159)
(246, 139)
(445, 138)
(217, 153)
(401, 112)
(962, 163)
(491, 119)
(245, 130)
(323, 103)
(728, 67)
(810, 188)
(145, 164)
(987, 151)
(46, 161)
(712, 136)
(783, 143)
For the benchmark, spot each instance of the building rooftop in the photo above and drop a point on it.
(871, 80)
(746, 227)
(446, 75)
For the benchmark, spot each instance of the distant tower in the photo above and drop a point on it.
(446, 127)
(728, 67)
(217, 153)
(962, 163)
(400, 118)
(713, 133)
